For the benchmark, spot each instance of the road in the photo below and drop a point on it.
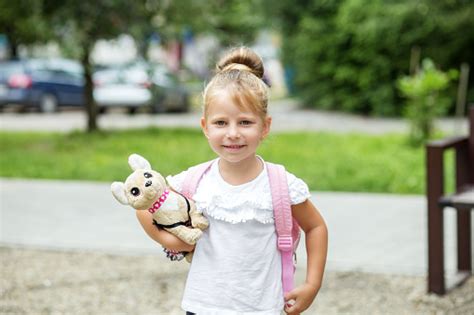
(286, 114)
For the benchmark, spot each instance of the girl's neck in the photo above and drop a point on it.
(240, 172)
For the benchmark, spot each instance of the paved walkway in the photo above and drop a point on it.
(286, 116)
(368, 232)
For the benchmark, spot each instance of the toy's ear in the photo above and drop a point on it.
(138, 162)
(118, 190)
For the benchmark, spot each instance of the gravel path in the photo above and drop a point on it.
(56, 282)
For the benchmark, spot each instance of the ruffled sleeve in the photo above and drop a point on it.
(298, 189)
(176, 181)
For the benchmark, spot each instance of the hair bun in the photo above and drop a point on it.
(241, 58)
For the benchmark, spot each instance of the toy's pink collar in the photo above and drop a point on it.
(159, 202)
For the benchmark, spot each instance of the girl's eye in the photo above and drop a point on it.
(220, 123)
(245, 122)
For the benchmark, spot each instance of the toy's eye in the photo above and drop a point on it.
(135, 191)
(147, 175)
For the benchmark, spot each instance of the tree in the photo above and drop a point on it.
(348, 54)
(232, 22)
(22, 22)
(85, 22)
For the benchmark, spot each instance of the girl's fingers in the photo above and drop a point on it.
(290, 295)
(290, 307)
(290, 301)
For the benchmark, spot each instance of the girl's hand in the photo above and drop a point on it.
(302, 296)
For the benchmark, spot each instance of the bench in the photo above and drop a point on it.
(462, 200)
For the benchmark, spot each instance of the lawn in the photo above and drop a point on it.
(327, 162)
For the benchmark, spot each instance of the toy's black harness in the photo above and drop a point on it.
(170, 226)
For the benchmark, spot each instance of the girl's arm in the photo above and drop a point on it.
(316, 235)
(163, 237)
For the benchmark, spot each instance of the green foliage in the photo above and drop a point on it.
(232, 22)
(22, 21)
(348, 54)
(333, 162)
(81, 23)
(425, 99)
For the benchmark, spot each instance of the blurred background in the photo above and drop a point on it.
(361, 85)
(338, 55)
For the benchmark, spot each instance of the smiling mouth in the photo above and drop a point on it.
(234, 146)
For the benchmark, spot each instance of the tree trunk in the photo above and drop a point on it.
(91, 106)
(142, 45)
(12, 43)
(13, 50)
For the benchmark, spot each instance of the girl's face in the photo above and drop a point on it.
(233, 133)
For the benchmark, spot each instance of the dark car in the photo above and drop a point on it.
(169, 94)
(45, 84)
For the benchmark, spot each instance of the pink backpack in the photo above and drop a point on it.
(288, 230)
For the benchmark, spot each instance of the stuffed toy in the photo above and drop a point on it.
(145, 189)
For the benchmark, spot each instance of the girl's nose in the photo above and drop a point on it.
(233, 133)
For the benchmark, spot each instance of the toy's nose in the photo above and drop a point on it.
(148, 183)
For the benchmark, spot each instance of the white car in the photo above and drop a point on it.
(121, 87)
(140, 84)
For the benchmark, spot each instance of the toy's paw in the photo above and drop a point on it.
(189, 257)
(194, 235)
(200, 223)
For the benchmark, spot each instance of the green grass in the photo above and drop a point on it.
(332, 162)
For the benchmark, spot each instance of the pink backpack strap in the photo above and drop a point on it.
(194, 175)
(283, 221)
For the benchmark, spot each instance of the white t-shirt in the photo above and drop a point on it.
(236, 266)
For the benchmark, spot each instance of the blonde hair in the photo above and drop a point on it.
(239, 72)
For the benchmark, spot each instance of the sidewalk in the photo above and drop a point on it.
(368, 232)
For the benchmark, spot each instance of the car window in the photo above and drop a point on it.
(134, 75)
(72, 77)
(107, 76)
(36, 65)
(8, 68)
(41, 74)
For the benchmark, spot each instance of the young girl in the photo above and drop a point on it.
(236, 267)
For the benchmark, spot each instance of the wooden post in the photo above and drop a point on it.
(462, 90)
(465, 175)
(463, 216)
(435, 186)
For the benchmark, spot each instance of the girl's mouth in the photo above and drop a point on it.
(233, 147)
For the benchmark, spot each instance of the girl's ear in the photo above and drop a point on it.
(267, 123)
(204, 127)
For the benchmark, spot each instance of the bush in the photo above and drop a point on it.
(347, 55)
(425, 99)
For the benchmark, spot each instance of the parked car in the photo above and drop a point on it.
(45, 84)
(169, 94)
(48, 84)
(140, 84)
(121, 87)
